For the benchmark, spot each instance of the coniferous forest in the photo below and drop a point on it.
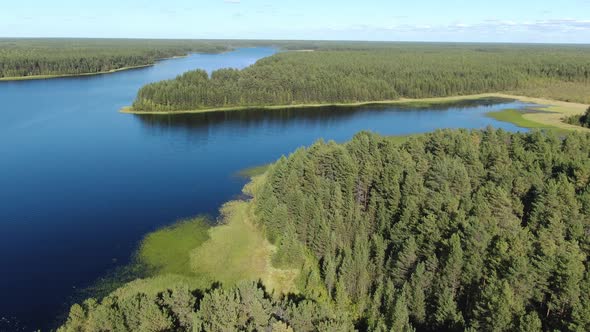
(67, 56)
(295, 166)
(34, 57)
(345, 74)
(454, 230)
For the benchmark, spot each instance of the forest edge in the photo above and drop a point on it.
(551, 114)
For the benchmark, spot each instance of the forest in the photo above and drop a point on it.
(34, 57)
(245, 307)
(65, 56)
(361, 73)
(454, 230)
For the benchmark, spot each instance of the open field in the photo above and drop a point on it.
(516, 117)
(555, 111)
(238, 251)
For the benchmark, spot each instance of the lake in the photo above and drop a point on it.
(81, 183)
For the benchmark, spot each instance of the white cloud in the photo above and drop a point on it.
(555, 25)
(565, 30)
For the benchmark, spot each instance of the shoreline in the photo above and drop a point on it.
(48, 77)
(106, 72)
(550, 112)
(130, 110)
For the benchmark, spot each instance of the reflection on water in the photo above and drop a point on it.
(199, 126)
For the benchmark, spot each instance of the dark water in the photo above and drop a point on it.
(80, 183)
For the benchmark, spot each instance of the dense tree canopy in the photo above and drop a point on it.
(450, 231)
(64, 56)
(246, 307)
(485, 231)
(31, 57)
(391, 71)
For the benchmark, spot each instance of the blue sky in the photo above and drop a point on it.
(561, 21)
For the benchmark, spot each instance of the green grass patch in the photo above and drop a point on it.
(235, 251)
(517, 118)
(193, 253)
(253, 171)
(196, 254)
(162, 255)
(168, 250)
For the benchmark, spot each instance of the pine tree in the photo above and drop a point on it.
(405, 262)
(497, 309)
(401, 318)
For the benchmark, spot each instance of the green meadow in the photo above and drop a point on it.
(517, 117)
(194, 253)
(167, 250)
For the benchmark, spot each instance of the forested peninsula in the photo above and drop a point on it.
(383, 72)
(448, 231)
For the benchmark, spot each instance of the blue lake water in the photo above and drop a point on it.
(81, 183)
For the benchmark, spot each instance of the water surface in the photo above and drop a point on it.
(80, 183)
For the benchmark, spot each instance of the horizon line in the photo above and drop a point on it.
(308, 40)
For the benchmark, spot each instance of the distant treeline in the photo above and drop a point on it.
(54, 57)
(33, 57)
(341, 73)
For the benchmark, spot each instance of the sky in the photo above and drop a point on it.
(534, 21)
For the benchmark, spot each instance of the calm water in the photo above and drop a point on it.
(80, 183)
